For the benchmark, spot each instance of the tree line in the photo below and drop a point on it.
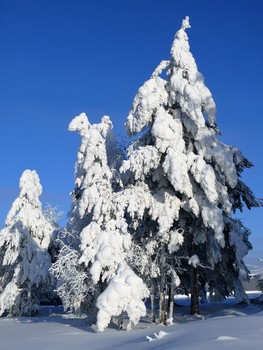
(146, 222)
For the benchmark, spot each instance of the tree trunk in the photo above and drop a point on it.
(153, 305)
(194, 291)
(171, 303)
(162, 290)
(160, 302)
(163, 308)
(120, 321)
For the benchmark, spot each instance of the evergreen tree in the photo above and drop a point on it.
(24, 243)
(99, 250)
(182, 167)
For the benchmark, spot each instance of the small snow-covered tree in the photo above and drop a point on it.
(24, 242)
(192, 178)
(74, 284)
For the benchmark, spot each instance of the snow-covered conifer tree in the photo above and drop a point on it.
(24, 243)
(98, 225)
(91, 179)
(190, 179)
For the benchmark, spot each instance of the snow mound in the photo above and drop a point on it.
(226, 337)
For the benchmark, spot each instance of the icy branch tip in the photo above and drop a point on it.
(186, 23)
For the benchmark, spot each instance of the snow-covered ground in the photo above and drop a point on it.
(221, 326)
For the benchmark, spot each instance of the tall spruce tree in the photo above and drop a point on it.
(24, 243)
(190, 180)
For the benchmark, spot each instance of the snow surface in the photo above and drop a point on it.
(221, 326)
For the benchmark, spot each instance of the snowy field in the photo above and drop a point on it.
(221, 326)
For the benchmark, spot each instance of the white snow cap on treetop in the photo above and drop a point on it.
(184, 87)
(29, 185)
(187, 84)
(186, 23)
(80, 123)
(180, 49)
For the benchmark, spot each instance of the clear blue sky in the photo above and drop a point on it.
(63, 57)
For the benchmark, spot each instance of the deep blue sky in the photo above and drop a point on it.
(63, 57)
